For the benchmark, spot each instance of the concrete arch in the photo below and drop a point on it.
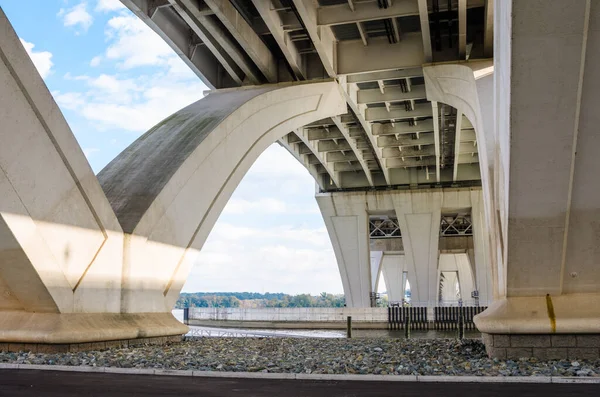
(86, 259)
(169, 187)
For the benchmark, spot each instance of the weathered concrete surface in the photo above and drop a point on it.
(136, 176)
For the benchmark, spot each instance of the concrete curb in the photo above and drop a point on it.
(313, 377)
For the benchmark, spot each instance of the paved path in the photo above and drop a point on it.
(66, 384)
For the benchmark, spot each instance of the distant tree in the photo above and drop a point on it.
(255, 299)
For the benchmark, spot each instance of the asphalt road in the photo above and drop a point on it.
(65, 384)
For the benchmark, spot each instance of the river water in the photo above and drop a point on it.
(319, 333)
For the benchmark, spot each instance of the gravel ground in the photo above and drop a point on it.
(317, 356)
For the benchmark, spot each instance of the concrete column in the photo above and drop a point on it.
(394, 265)
(460, 264)
(419, 215)
(376, 265)
(346, 219)
(481, 265)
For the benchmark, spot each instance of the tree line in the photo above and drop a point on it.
(255, 299)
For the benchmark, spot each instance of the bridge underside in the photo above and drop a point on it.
(433, 160)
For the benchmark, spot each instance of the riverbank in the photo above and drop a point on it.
(316, 356)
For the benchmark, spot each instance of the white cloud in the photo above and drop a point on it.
(135, 44)
(263, 205)
(77, 17)
(96, 61)
(42, 59)
(139, 101)
(259, 259)
(89, 152)
(134, 105)
(108, 5)
(68, 100)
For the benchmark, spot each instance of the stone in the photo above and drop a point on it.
(52, 348)
(551, 353)
(501, 340)
(530, 341)
(588, 341)
(488, 339)
(588, 353)
(319, 356)
(497, 352)
(563, 341)
(518, 352)
(18, 347)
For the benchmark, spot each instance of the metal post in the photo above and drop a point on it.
(186, 315)
(349, 327)
(407, 323)
(461, 321)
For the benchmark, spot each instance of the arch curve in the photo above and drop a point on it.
(169, 187)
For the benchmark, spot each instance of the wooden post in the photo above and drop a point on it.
(349, 327)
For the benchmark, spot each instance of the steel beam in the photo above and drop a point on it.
(488, 34)
(403, 128)
(275, 25)
(462, 29)
(197, 22)
(321, 36)
(370, 77)
(180, 38)
(246, 37)
(459, 117)
(354, 147)
(379, 114)
(390, 153)
(365, 11)
(331, 146)
(425, 33)
(391, 94)
(401, 141)
(411, 162)
(436, 137)
(302, 133)
(340, 157)
(350, 92)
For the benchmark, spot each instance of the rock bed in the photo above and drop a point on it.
(317, 356)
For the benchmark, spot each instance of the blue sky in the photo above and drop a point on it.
(113, 79)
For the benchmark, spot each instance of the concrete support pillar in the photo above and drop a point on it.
(394, 266)
(481, 265)
(458, 264)
(376, 265)
(347, 223)
(419, 215)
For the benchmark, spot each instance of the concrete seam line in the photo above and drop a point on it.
(302, 376)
